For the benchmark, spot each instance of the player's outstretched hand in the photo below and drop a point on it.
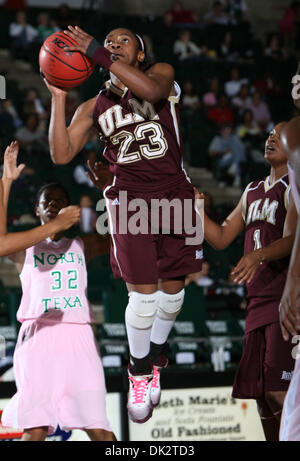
(67, 217)
(246, 268)
(54, 90)
(11, 170)
(289, 308)
(82, 38)
(99, 174)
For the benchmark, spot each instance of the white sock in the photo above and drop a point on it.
(139, 341)
(160, 330)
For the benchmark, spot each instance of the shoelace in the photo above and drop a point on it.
(155, 378)
(139, 389)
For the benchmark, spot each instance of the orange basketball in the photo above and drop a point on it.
(61, 68)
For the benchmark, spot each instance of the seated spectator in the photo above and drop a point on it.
(30, 136)
(217, 15)
(230, 153)
(23, 36)
(261, 113)
(185, 49)
(80, 172)
(210, 98)
(222, 113)
(88, 216)
(177, 15)
(243, 100)
(227, 50)
(46, 26)
(190, 100)
(233, 86)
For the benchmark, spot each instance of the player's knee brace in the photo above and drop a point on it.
(170, 305)
(141, 309)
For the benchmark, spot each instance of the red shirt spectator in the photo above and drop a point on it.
(222, 113)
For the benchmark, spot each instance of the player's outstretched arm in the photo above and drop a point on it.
(220, 236)
(153, 85)
(66, 142)
(289, 309)
(16, 243)
(281, 248)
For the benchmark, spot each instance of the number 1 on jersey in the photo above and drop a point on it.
(256, 238)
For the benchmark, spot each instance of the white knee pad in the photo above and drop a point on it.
(141, 309)
(170, 305)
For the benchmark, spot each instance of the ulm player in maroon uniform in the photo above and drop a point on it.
(268, 216)
(137, 118)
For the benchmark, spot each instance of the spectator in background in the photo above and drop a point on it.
(65, 17)
(261, 113)
(9, 117)
(229, 151)
(88, 216)
(210, 98)
(33, 104)
(185, 49)
(248, 127)
(201, 279)
(23, 36)
(177, 15)
(46, 26)
(232, 87)
(31, 137)
(80, 172)
(243, 100)
(222, 113)
(237, 9)
(266, 85)
(217, 15)
(288, 24)
(190, 100)
(250, 134)
(274, 48)
(227, 50)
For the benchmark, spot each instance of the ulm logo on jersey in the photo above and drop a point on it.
(266, 213)
(113, 118)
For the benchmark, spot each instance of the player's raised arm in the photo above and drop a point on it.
(15, 243)
(120, 57)
(65, 142)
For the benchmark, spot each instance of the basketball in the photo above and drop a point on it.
(61, 68)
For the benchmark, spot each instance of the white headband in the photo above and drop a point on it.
(141, 41)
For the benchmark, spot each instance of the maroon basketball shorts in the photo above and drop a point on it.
(266, 364)
(149, 234)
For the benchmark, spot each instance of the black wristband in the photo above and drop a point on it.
(93, 46)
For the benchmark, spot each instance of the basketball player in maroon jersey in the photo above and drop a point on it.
(137, 118)
(269, 222)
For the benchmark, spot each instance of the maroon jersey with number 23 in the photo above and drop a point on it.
(142, 140)
(264, 208)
